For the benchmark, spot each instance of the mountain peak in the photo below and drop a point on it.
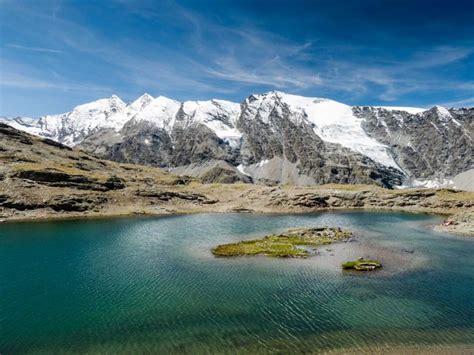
(113, 102)
(442, 112)
(145, 97)
(142, 101)
(115, 98)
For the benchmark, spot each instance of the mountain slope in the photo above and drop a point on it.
(433, 144)
(42, 179)
(272, 138)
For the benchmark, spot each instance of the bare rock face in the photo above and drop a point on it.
(41, 176)
(171, 195)
(436, 143)
(69, 203)
(145, 143)
(198, 144)
(136, 143)
(14, 134)
(280, 135)
(463, 181)
(214, 171)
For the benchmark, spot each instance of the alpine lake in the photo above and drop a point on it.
(152, 285)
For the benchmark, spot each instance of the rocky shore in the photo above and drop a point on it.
(42, 179)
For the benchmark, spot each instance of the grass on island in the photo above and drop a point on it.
(284, 245)
(362, 265)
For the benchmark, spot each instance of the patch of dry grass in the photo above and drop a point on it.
(446, 194)
(58, 167)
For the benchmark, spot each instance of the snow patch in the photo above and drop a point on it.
(456, 122)
(160, 111)
(412, 110)
(71, 127)
(332, 121)
(138, 105)
(241, 169)
(435, 126)
(443, 113)
(218, 115)
(428, 184)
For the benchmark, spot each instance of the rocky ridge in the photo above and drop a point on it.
(273, 138)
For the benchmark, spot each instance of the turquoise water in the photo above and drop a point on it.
(152, 285)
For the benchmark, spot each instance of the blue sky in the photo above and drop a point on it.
(57, 54)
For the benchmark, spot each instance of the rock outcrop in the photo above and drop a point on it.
(434, 144)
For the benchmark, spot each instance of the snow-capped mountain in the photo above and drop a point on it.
(271, 138)
(332, 121)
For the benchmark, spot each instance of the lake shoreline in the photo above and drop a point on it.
(463, 229)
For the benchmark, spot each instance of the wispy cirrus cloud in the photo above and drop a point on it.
(33, 49)
(240, 55)
(19, 81)
(20, 76)
(466, 102)
(394, 79)
(271, 73)
(257, 57)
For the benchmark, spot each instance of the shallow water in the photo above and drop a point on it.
(152, 285)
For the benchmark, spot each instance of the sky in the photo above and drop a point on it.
(57, 54)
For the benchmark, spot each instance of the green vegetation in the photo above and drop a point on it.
(290, 244)
(362, 265)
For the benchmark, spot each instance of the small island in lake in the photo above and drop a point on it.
(362, 264)
(290, 244)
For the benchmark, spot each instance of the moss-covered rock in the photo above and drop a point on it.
(362, 265)
(290, 244)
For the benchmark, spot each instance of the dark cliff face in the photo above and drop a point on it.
(198, 144)
(436, 143)
(137, 143)
(194, 142)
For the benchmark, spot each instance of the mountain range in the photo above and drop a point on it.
(272, 138)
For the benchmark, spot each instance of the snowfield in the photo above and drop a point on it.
(412, 110)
